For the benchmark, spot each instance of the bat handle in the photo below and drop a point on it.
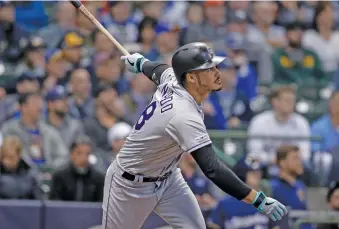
(76, 3)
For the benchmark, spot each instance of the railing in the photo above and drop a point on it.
(314, 217)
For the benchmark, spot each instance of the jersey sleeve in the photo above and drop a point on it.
(167, 75)
(189, 131)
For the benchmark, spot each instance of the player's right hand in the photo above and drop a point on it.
(134, 62)
(272, 208)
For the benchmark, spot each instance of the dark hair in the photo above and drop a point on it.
(276, 92)
(25, 96)
(284, 150)
(320, 7)
(334, 185)
(147, 21)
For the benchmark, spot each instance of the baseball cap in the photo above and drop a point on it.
(35, 43)
(228, 63)
(72, 39)
(245, 165)
(118, 132)
(237, 16)
(334, 185)
(81, 140)
(235, 41)
(56, 93)
(101, 88)
(30, 76)
(53, 55)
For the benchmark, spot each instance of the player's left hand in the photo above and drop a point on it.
(134, 62)
(272, 208)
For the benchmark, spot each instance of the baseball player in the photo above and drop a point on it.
(144, 177)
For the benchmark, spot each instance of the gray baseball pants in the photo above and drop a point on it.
(127, 204)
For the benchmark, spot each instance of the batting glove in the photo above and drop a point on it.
(270, 207)
(134, 62)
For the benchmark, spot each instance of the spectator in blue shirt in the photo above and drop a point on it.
(247, 79)
(228, 108)
(287, 188)
(327, 127)
(231, 213)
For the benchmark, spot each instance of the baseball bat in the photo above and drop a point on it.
(77, 4)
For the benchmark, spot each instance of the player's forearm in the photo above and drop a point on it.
(154, 70)
(221, 175)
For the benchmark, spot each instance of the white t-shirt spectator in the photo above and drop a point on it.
(327, 50)
(266, 125)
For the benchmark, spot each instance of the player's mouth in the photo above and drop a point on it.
(218, 80)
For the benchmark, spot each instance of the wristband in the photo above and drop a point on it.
(259, 199)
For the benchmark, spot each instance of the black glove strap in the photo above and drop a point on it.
(259, 200)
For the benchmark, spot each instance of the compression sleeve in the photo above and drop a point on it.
(219, 173)
(154, 70)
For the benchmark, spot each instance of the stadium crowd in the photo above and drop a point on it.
(67, 103)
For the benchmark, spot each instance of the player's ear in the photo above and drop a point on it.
(190, 77)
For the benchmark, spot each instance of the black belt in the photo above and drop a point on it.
(131, 177)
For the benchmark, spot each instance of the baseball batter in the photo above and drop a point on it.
(144, 177)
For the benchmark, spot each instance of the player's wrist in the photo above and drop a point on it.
(259, 199)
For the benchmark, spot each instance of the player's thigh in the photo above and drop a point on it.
(179, 207)
(121, 210)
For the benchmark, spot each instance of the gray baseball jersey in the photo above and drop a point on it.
(169, 126)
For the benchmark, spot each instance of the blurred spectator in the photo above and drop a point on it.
(78, 181)
(294, 63)
(8, 105)
(288, 12)
(34, 60)
(85, 26)
(42, 144)
(108, 110)
(247, 79)
(56, 68)
(327, 127)
(287, 188)
(18, 180)
(119, 21)
(68, 128)
(153, 9)
(138, 98)
(263, 15)
(167, 40)
(81, 103)
(64, 20)
(198, 183)
(333, 204)
(278, 126)
(146, 38)
(228, 108)
(323, 39)
(238, 5)
(72, 45)
(306, 12)
(107, 67)
(195, 18)
(230, 213)
(29, 15)
(117, 135)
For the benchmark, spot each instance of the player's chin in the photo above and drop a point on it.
(217, 87)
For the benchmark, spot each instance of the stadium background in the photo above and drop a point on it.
(57, 70)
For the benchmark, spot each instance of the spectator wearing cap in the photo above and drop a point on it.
(263, 31)
(42, 143)
(117, 135)
(78, 180)
(287, 188)
(294, 63)
(56, 68)
(167, 40)
(231, 213)
(81, 103)
(201, 187)
(58, 117)
(323, 39)
(18, 179)
(247, 79)
(34, 60)
(107, 69)
(119, 21)
(333, 204)
(137, 99)
(64, 20)
(228, 108)
(146, 38)
(278, 126)
(108, 110)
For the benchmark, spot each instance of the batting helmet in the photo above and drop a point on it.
(193, 56)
